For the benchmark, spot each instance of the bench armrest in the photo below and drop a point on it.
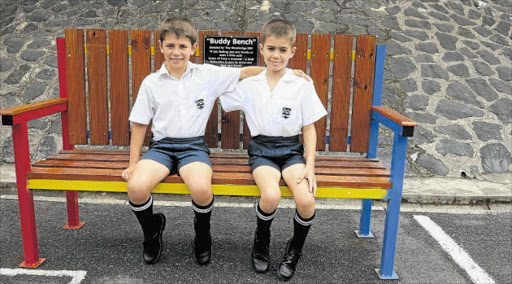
(20, 114)
(403, 125)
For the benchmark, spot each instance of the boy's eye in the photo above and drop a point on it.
(270, 48)
(283, 50)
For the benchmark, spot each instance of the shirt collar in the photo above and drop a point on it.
(288, 75)
(190, 67)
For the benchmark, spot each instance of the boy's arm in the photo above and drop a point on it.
(309, 135)
(250, 71)
(136, 141)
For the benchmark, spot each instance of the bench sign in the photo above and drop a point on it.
(231, 51)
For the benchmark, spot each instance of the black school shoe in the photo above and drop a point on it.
(202, 244)
(153, 246)
(289, 263)
(260, 254)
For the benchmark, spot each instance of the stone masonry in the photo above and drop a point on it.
(448, 65)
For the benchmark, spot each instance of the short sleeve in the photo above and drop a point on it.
(312, 107)
(142, 111)
(222, 79)
(232, 101)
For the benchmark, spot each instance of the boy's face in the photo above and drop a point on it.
(276, 52)
(177, 51)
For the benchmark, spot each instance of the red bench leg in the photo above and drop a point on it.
(73, 215)
(25, 198)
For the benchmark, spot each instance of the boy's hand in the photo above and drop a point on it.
(300, 73)
(309, 174)
(128, 173)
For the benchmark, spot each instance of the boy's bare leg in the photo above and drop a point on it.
(305, 202)
(267, 178)
(198, 178)
(145, 177)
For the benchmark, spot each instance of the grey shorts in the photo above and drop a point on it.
(275, 151)
(174, 153)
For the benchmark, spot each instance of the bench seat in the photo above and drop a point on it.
(89, 169)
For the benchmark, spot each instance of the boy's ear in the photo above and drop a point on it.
(294, 49)
(261, 47)
(160, 45)
(193, 49)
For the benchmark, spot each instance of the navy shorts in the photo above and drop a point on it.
(174, 153)
(275, 151)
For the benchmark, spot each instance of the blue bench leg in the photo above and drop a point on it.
(364, 223)
(393, 210)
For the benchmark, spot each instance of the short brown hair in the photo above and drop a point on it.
(180, 26)
(279, 28)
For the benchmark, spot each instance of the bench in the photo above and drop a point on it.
(95, 102)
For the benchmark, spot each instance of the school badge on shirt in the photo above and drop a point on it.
(286, 112)
(200, 104)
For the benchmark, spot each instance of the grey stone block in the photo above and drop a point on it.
(468, 53)
(419, 24)
(461, 92)
(46, 74)
(14, 44)
(454, 131)
(422, 136)
(503, 28)
(395, 48)
(16, 75)
(402, 67)
(483, 31)
(505, 73)
(487, 131)
(489, 57)
(445, 28)
(417, 102)
(34, 90)
(412, 12)
(427, 47)
(488, 21)
(502, 108)
(496, 158)
(482, 88)
(432, 164)
(45, 149)
(460, 70)
(420, 35)
(462, 21)
(501, 86)
(390, 23)
(433, 71)
(474, 15)
(455, 7)
(6, 64)
(38, 16)
(452, 57)
(507, 52)
(439, 16)
(471, 44)
(422, 117)
(117, 3)
(465, 33)
(491, 45)
(499, 40)
(409, 85)
(56, 126)
(424, 58)
(439, 8)
(447, 146)
(482, 68)
(388, 94)
(39, 123)
(430, 86)
(400, 37)
(32, 55)
(393, 10)
(453, 110)
(447, 41)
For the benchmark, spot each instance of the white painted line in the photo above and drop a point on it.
(462, 258)
(76, 275)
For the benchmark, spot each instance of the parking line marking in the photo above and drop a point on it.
(76, 275)
(461, 257)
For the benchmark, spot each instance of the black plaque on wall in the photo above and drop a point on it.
(231, 51)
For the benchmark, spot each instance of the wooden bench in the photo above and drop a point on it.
(94, 111)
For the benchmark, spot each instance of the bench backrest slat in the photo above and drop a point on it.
(320, 61)
(97, 86)
(119, 87)
(340, 102)
(352, 83)
(363, 91)
(76, 86)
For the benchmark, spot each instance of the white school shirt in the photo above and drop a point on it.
(180, 108)
(283, 112)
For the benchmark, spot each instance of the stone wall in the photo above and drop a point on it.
(448, 64)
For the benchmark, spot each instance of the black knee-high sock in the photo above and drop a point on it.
(300, 230)
(264, 220)
(147, 220)
(202, 218)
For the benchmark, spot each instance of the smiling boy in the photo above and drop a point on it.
(278, 107)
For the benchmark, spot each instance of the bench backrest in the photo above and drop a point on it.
(98, 77)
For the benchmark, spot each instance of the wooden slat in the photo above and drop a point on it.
(75, 74)
(320, 61)
(340, 100)
(363, 92)
(32, 107)
(210, 136)
(97, 82)
(158, 57)
(119, 87)
(246, 131)
(300, 59)
(230, 121)
(141, 65)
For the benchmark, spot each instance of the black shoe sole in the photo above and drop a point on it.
(162, 228)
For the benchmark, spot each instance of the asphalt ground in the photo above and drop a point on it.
(108, 248)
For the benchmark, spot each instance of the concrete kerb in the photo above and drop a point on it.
(484, 189)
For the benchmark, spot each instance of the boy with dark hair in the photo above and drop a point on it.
(278, 107)
(178, 99)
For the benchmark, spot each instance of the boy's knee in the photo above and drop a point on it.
(138, 191)
(271, 197)
(305, 204)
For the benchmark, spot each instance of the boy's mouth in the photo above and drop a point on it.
(175, 59)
